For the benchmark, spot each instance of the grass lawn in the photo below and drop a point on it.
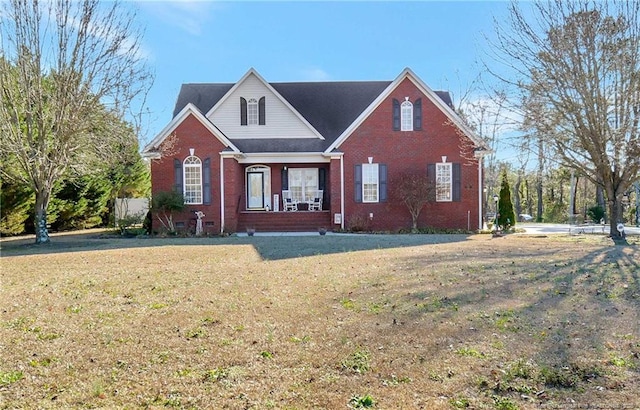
(323, 322)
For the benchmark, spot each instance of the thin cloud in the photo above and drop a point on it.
(186, 15)
(315, 74)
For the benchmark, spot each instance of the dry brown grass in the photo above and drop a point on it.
(414, 321)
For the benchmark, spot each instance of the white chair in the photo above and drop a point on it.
(315, 203)
(288, 203)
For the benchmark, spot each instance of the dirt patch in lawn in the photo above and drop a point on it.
(406, 321)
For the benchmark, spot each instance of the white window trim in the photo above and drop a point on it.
(306, 192)
(189, 163)
(375, 174)
(448, 165)
(406, 116)
(266, 170)
(253, 114)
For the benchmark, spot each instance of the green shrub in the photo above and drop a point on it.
(595, 213)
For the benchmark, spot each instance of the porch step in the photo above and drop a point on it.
(299, 221)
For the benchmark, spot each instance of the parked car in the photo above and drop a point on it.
(525, 218)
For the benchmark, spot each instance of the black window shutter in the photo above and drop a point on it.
(261, 112)
(243, 111)
(357, 186)
(206, 186)
(177, 172)
(322, 182)
(417, 114)
(431, 175)
(396, 115)
(322, 177)
(284, 179)
(456, 178)
(382, 180)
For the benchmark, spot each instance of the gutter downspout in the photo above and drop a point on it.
(221, 194)
(342, 192)
(480, 161)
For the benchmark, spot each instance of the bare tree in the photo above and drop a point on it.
(485, 111)
(70, 71)
(580, 62)
(414, 190)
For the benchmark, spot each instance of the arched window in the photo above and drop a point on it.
(252, 111)
(406, 116)
(192, 170)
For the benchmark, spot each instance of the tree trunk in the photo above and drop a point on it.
(529, 197)
(414, 221)
(574, 196)
(539, 177)
(615, 213)
(601, 202)
(516, 195)
(539, 191)
(42, 203)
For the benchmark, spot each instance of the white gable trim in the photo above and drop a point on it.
(433, 97)
(189, 109)
(253, 72)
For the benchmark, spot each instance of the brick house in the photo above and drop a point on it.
(299, 156)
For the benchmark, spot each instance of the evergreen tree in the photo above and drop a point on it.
(16, 208)
(506, 216)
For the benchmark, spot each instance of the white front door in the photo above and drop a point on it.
(258, 187)
(255, 190)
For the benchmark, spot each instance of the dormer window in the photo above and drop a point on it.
(252, 111)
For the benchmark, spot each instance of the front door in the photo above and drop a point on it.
(255, 190)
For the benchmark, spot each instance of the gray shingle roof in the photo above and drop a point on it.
(203, 96)
(330, 107)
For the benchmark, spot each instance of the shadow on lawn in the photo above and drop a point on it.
(571, 314)
(268, 247)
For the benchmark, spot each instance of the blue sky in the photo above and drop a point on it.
(204, 41)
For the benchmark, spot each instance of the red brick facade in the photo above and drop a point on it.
(374, 138)
(405, 150)
(190, 133)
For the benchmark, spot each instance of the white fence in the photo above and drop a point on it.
(126, 208)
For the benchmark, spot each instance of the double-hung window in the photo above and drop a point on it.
(192, 170)
(444, 182)
(370, 183)
(303, 183)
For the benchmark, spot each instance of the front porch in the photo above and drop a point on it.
(299, 221)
